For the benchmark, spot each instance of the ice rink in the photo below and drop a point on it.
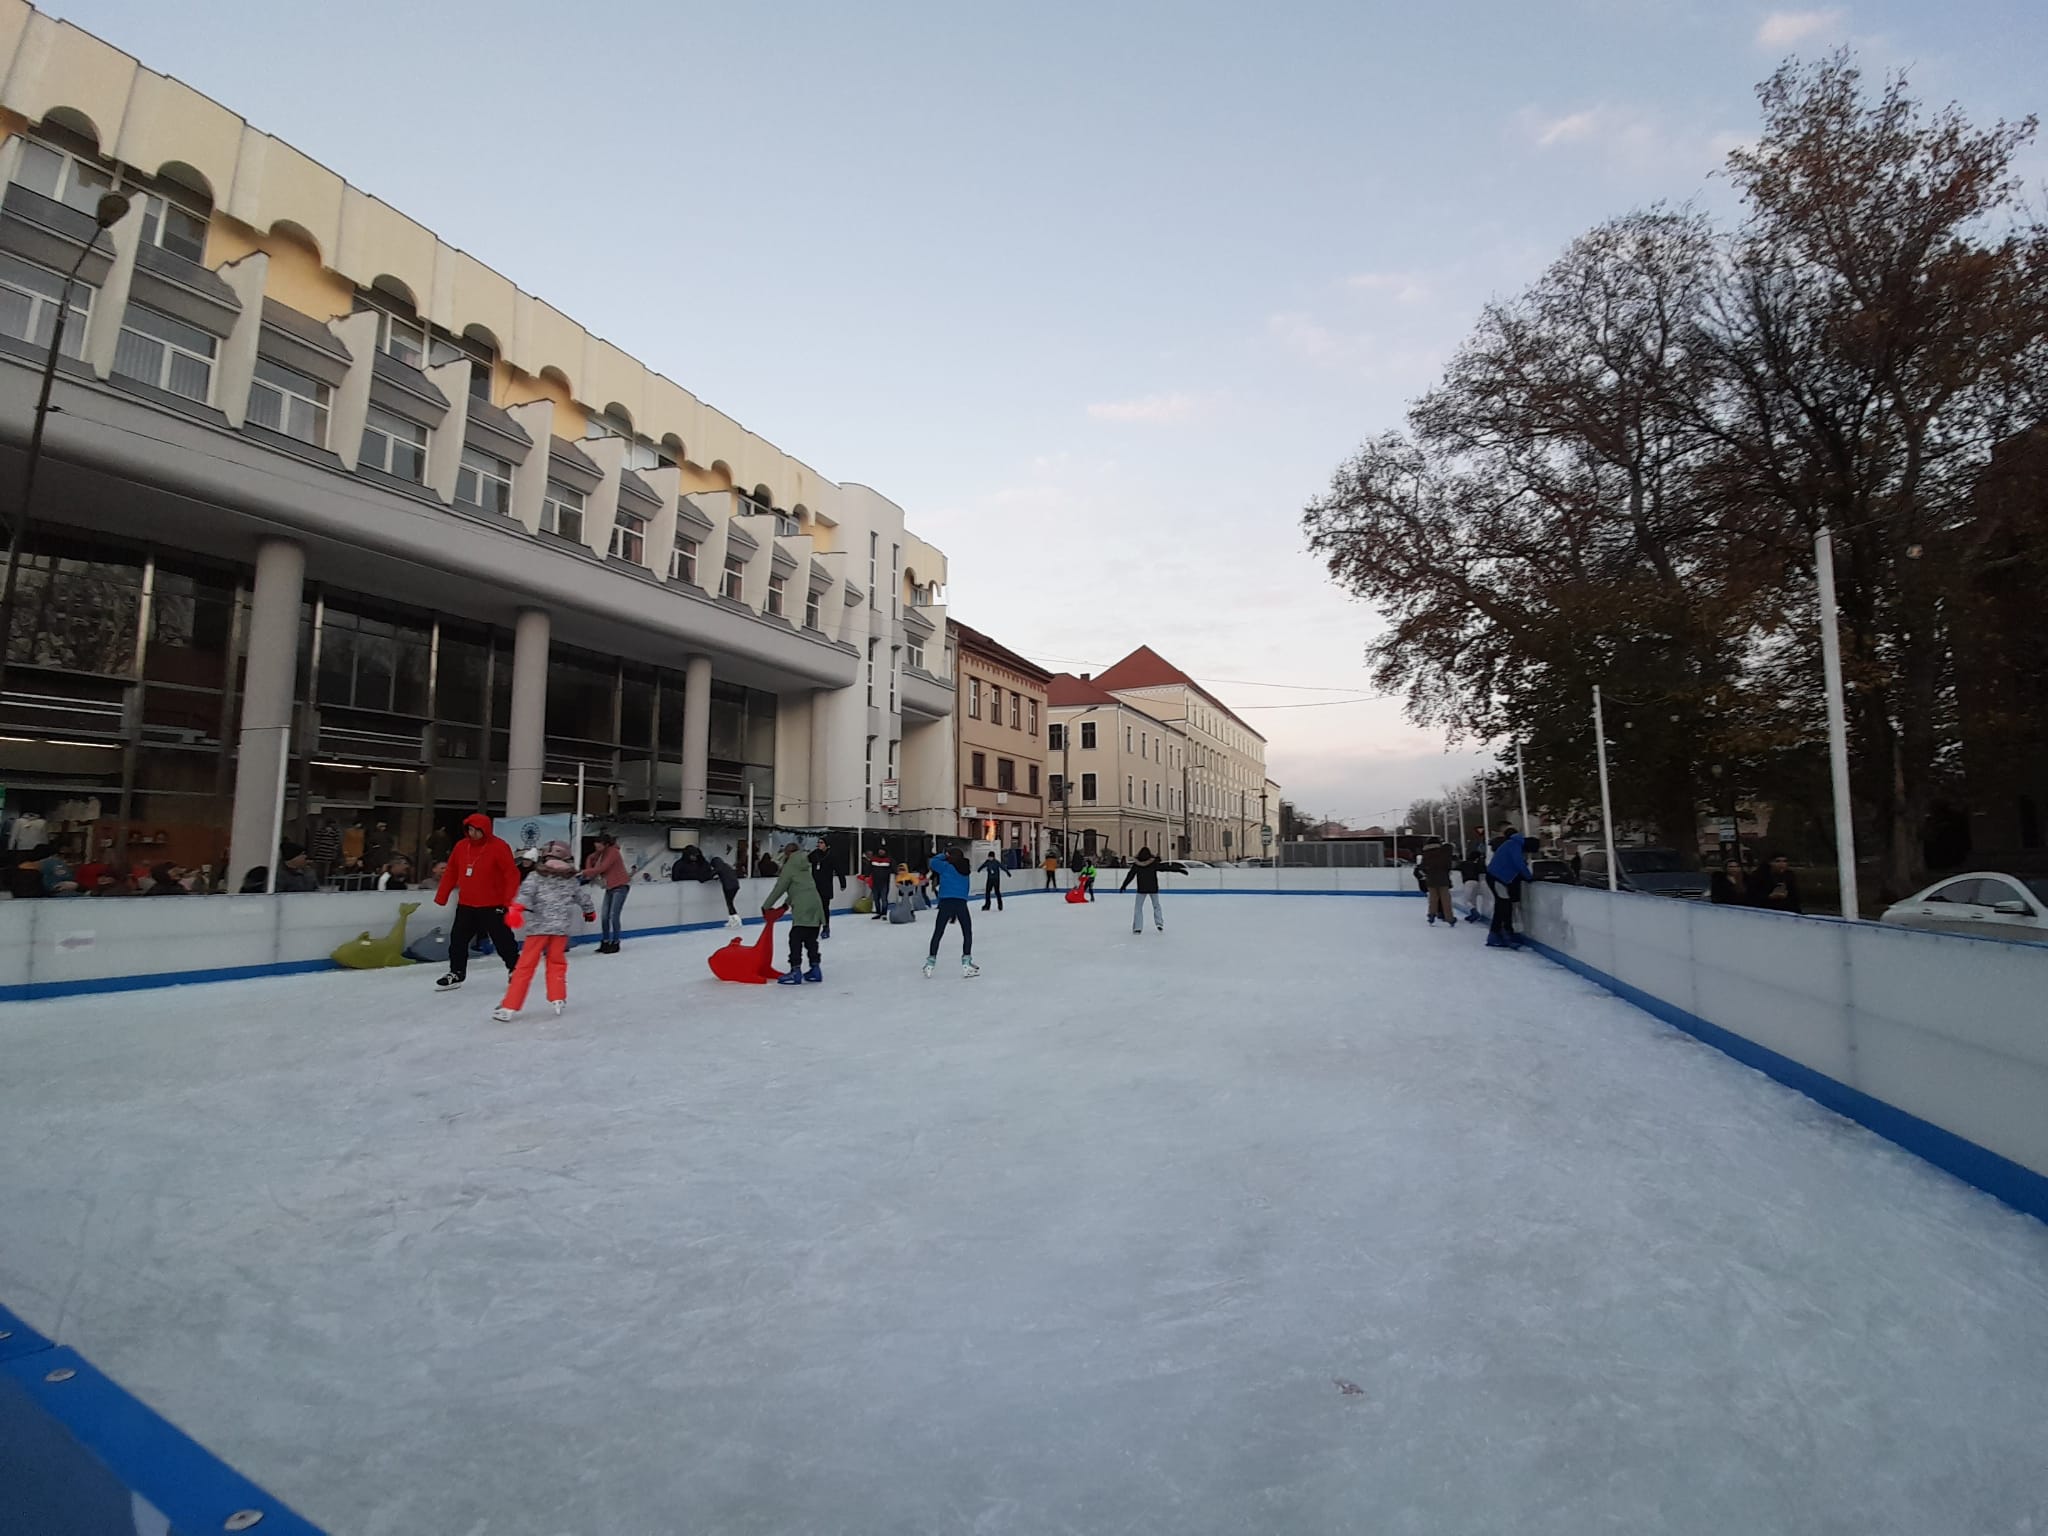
(1301, 1217)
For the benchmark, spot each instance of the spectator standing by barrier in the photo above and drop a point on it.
(1438, 862)
(548, 907)
(295, 873)
(1145, 870)
(1731, 885)
(1508, 871)
(1774, 887)
(1052, 872)
(484, 881)
(608, 865)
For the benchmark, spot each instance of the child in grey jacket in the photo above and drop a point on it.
(549, 907)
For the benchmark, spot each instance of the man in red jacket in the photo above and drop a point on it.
(481, 873)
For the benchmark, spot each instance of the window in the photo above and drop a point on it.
(80, 183)
(814, 617)
(1144, 745)
(155, 349)
(1033, 703)
(1144, 793)
(1056, 788)
(916, 654)
(978, 770)
(1032, 770)
(1056, 737)
(872, 644)
(28, 305)
(894, 656)
(974, 698)
(1087, 735)
(995, 705)
(1130, 789)
(1127, 738)
(1006, 774)
(1016, 711)
(561, 511)
(735, 572)
(786, 526)
(1087, 786)
(403, 336)
(895, 580)
(629, 537)
(287, 401)
(682, 560)
(874, 553)
(484, 482)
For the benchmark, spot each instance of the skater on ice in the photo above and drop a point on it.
(1437, 864)
(881, 873)
(1507, 873)
(548, 907)
(824, 871)
(729, 884)
(796, 885)
(1145, 870)
(992, 882)
(483, 880)
(951, 871)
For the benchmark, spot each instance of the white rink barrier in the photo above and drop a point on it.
(59, 946)
(1937, 1041)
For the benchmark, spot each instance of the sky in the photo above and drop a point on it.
(1099, 292)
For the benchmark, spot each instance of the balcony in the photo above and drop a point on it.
(923, 695)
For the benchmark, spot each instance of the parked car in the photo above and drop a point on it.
(1652, 871)
(1989, 904)
(1556, 871)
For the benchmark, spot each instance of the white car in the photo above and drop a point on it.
(1988, 904)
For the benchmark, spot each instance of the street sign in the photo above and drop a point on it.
(892, 795)
(1265, 837)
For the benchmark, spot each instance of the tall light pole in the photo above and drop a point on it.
(1838, 721)
(1606, 804)
(109, 212)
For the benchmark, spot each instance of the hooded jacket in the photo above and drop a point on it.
(1145, 870)
(555, 905)
(728, 881)
(1437, 862)
(952, 877)
(1509, 863)
(806, 906)
(824, 870)
(481, 874)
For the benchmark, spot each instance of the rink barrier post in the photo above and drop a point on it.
(79, 1456)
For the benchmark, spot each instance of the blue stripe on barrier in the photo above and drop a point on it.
(2019, 1187)
(87, 1450)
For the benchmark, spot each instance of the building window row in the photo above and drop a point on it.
(158, 350)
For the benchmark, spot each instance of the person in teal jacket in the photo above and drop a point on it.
(799, 887)
(950, 869)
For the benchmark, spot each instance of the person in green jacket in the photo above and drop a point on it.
(1088, 878)
(806, 914)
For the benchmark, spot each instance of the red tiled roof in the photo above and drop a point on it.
(1065, 690)
(1146, 668)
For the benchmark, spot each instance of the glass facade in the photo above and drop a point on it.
(118, 722)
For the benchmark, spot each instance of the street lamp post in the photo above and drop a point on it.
(109, 212)
(1067, 783)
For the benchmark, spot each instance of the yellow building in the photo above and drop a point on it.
(330, 508)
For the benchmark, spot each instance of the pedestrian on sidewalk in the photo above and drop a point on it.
(797, 885)
(1507, 873)
(1145, 870)
(951, 871)
(1437, 864)
(991, 882)
(824, 870)
(546, 909)
(608, 866)
(483, 880)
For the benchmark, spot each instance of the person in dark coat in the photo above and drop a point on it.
(1731, 885)
(881, 876)
(294, 872)
(729, 882)
(824, 870)
(1774, 887)
(1145, 870)
(991, 882)
(1436, 865)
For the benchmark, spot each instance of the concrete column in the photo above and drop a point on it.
(823, 812)
(696, 735)
(526, 753)
(260, 760)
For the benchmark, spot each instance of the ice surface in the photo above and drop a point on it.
(1092, 1243)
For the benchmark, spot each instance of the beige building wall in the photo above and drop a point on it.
(1019, 813)
(1138, 765)
(1226, 770)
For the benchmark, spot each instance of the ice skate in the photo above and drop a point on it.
(558, 1005)
(814, 974)
(969, 970)
(733, 921)
(448, 983)
(930, 966)
(790, 978)
(503, 1015)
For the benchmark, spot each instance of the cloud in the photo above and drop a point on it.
(1788, 29)
(1404, 286)
(1153, 410)
(1631, 139)
(1572, 128)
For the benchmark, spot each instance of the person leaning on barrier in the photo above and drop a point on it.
(1731, 885)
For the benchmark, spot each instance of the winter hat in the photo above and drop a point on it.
(287, 851)
(554, 860)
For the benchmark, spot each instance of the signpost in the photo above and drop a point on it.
(1265, 837)
(892, 795)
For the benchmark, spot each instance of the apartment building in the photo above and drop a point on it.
(1225, 780)
(1001, 702)
(1118, 774)
(332, 512)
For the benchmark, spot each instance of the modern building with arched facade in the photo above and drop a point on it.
(328, 508)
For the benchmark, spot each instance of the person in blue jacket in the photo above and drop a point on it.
(1507, 872)
(951, 869)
